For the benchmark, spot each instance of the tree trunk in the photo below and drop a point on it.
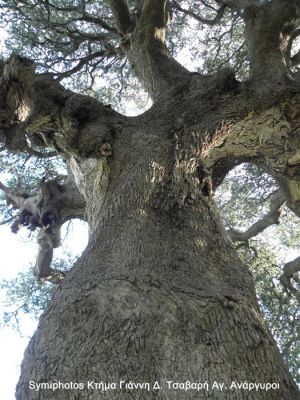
(158, 297)
(159, 306)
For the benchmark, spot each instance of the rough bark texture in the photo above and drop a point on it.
(159, 294)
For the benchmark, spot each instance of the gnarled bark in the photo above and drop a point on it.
(159, 293)
(146, 302)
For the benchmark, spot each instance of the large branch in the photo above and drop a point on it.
(153, 19)
(271, 218)
(268, 28)
(145, 47)
(291, 272)
(269, 138)
(37, 109)
(122, 15)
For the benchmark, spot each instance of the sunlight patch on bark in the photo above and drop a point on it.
(91, 177)
(294, 189)
(157, 172)
(159, 33)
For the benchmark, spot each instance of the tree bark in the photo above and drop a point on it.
(159, 294)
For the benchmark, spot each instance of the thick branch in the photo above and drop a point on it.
(147, 53)
(38, 107)
(267, 32)
(42, 270)
(153, 19)
(272, 217)
(291, 272)
(122, 15)
(269, 138)
(63, 201)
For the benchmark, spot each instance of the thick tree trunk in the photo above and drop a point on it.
(159, 297)
(160, 294)
(159, 306)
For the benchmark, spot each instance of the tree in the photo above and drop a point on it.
(265, 253)
(160, 293)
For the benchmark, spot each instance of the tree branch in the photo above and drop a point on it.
(267, 33)
(147, 52)
(205, 21)
(290, 272)
(38, 107)
(122, 15)
(17, 199)
(241, 4)
(153, 19)
(42, 269)
(39, 154)
(268, 138)
(81, 63)
(97, 21)
(272, 217)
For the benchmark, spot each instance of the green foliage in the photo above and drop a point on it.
(247, 185)
(72, 40)
(280, 310)
(77, 40)
(244, 197)
(24, 295)
(26, 170)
